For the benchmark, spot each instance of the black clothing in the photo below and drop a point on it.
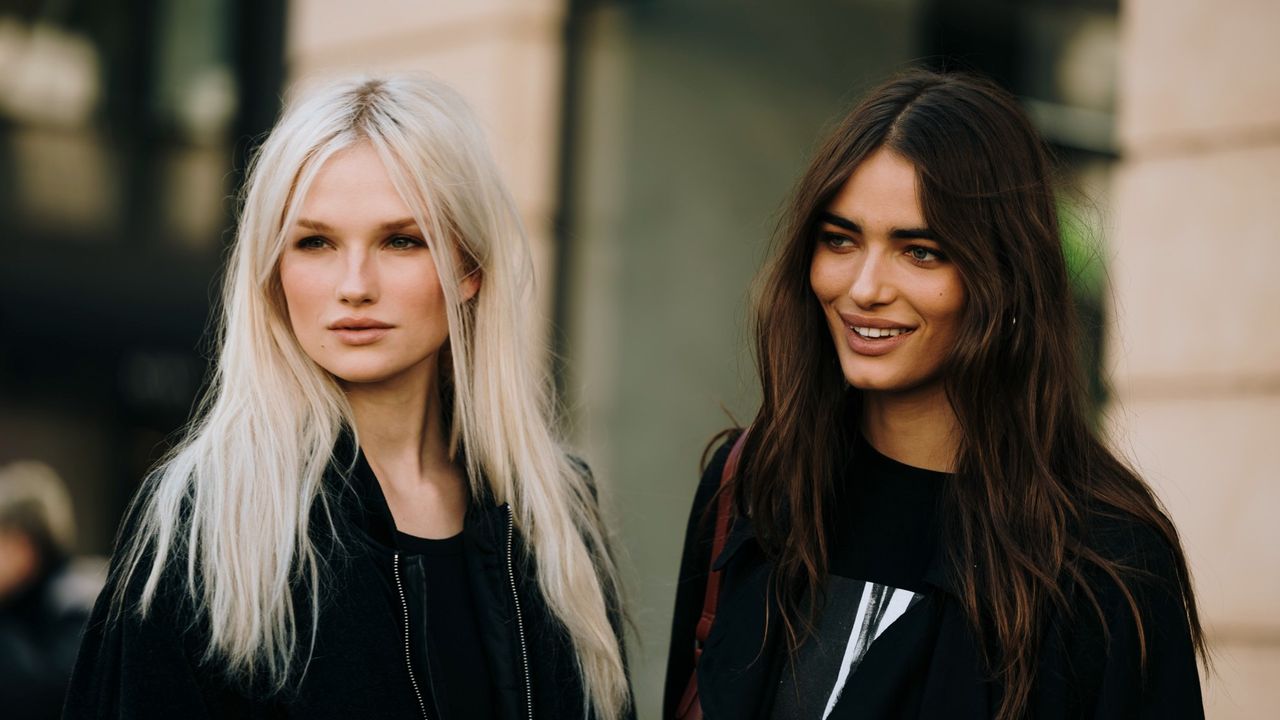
(883, 540)
(40, 629)
(887, 521)
(452, 624)
(926, 664)
(153, 668)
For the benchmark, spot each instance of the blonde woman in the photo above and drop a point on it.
(372, 516)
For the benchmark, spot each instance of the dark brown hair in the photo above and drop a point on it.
(1031, 470)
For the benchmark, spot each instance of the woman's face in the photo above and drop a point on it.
(893, 301)
(359, 279)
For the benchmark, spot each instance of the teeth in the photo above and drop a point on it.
(878, 332)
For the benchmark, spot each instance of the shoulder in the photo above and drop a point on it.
(1125, 645)
(719, 450)
(1132, 585)
(586, 477)
(1145, 551)
(714, 461)
(133, 565)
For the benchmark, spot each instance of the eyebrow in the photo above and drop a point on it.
(402, 224)
(896, 233)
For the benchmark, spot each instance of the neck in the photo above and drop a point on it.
(401, 428)
(400, 424)
(918, 429)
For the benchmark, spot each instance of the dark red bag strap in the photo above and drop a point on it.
(689, 708)
(724, 508)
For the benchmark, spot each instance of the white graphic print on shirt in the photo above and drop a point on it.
(854, 615)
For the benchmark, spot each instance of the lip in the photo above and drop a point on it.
(359, 331)
(868, 347)
(864, 321)
(358, 323)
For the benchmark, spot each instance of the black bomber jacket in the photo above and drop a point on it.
(363, 656)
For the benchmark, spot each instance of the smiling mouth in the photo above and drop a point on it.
(871, 333)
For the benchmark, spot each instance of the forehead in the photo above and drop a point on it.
(883, 189)
(353, 186)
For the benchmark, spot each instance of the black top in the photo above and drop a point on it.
(926, 663)
(154, 667)
(461, 689)
(883, 538)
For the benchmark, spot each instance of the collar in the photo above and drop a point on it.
(358, 496)
(742, 531)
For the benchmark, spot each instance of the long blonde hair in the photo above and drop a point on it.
(235, 497)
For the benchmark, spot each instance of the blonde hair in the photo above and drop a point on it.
(236, 496)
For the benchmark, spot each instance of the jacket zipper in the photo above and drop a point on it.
(511, 574)
(408, 659)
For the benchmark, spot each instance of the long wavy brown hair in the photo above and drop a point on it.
(1031, 469)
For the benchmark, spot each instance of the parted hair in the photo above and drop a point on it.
(1031, 468)
(236, 497)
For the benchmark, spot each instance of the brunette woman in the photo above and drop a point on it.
(925, 521)
(372, 517)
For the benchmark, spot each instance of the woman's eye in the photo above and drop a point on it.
(923, 254)
(404, 242)
(836, 240)
(311, 243)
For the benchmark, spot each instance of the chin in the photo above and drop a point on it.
(363, 374)
(869, 385)
(889, 383)
(861, 378)
(361, 378)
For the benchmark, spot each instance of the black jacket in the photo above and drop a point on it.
(927, 664)
(153, 668)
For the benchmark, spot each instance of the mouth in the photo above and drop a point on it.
(359, 331)
(872, 337)
(873, 333)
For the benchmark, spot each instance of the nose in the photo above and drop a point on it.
(871, 284)
(358, 284)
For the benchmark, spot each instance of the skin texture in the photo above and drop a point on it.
(875, 271)
(357, 253)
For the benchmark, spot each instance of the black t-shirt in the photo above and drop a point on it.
(461, 673)
(882, 541)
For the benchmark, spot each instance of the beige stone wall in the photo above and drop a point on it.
(1195, 343)
(505, 57)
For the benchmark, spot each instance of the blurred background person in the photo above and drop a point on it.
(648, 144)
(45, 596)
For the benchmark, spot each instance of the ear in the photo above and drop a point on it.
(469, 285)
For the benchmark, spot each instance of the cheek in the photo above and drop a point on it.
(424, 296)
(946, 305)
(824, 278)
(306, 290)
(298, 290)
(430, 291)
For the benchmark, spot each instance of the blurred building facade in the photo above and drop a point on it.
(1196, 332)
(650, 145)
(123, 127)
